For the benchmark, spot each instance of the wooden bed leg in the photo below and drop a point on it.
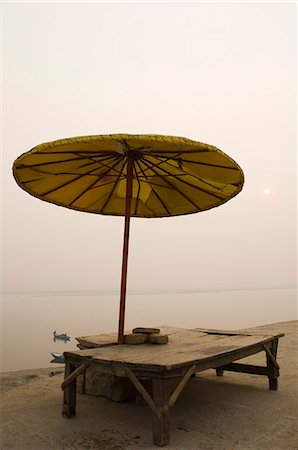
(69, 394)
(219, 372)
(273, 372)
(161, 426)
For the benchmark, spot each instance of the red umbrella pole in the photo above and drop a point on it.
(125, 247)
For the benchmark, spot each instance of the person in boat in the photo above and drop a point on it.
(61, 336)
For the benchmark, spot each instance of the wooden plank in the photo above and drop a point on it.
(236, 332)
(173, 398)
(70, 394)
(142, 391)
(160, 425)
(106, 339)
(102, 340)
(244, 368)
(149, 371)
(224, 332)
(177, 353)
(223, 359)
(74, 374)
(187, 342)
(271, 357)
(272, 366)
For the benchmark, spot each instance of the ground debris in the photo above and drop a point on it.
(12, 380)
(104, 440)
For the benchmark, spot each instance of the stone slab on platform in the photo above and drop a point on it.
(117, 389)
(97, 341)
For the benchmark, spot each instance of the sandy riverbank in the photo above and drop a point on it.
(236, 411)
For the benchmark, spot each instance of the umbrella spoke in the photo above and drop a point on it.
(153, 190)
(114, 187)
(187, 173)
(201, 163)
(155, 165)
(133, 149)
(140, 170)
(180, 177)
(93, 183)
(91, 152)
(139, 187)
(217, 166)
(176, 189)
(31, 180)
(96, 161)
(100, 162)
(66, 183)
(155, 183)
(62, 161)
(181, 152)
(46, 163)
(161, 202)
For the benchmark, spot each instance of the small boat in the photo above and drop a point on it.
(58, 357)
(62, 336)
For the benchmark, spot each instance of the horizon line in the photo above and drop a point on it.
(143, 291)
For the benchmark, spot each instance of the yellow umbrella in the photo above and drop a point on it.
(131, 176)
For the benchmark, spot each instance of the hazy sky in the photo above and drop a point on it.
(220, 73)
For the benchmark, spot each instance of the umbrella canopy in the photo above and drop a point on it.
(131, 176)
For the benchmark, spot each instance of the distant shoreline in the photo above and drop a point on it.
(24, 375)
(93, 292)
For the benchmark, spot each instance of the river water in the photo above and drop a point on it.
(29, 319)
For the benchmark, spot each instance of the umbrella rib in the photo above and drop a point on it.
(121, 177)
(93, 161)
(139, 188)
(82, 193)
(130, 147)
(92, 184)
(210, 165)
(173, 186)
(115, 157)
(32, 179)
(197, 162)
(146, 178)
(196, 178)
(156, 165)
(141, 170)
(61, 152)
(192, 185)
(153, 183)
(114, 187)
(68, 182)
(23, 166)
(161, 201)
(158, 197)
(180, 152)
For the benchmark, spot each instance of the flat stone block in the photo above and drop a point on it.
(158, 339)
(146, 330)
(114, 388)
(134, 339)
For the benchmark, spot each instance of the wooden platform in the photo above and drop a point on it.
(169, 367)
